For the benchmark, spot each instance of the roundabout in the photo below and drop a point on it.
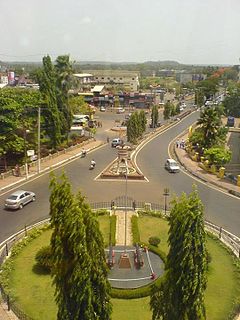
(138, 273)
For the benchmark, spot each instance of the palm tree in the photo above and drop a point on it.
(210, 123)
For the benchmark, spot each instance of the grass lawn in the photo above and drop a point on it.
(104, 224)
(223, 282)
(35, 293)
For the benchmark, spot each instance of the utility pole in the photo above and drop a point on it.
(39, 139)
(25, 152)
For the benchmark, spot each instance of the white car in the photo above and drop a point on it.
(172, 166)
(19, 198)
(102, 109)
(120, 110)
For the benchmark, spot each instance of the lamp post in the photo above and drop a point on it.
(25, 152)
(125, 213)
(166, 194)
(39, 139)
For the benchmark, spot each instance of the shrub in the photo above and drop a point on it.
(135, 230)
(43, 258)
(102, 212)
(113, 220)
(154, 241)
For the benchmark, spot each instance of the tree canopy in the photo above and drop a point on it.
(181, 295)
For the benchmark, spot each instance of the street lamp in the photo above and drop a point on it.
(125, 213)
(25, 152)
(166, 194)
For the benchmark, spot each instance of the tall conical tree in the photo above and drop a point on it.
(47, 82)
(154, 116)
(64, 73)
(71, 261)
(142, 121)
(98, 273)
(181, 296)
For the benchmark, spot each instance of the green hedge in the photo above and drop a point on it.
(113, 220)
(135, 230)
(152, 213)
(101, 212)
(136, 293)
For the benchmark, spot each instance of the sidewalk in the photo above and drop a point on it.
(5, 314)
(50, 164)
(193, 168)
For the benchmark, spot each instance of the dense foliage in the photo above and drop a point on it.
(181, 295)
(78, 263)
(136, 126)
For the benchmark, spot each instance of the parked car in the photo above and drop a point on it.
(172, 166)
(117, 142)
(19, 198)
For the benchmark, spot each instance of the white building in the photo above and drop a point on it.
(4, 79)
(128, 79)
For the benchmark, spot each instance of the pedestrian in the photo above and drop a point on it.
(107, 139)
(17, 170)
(177, 143)
(182, 144)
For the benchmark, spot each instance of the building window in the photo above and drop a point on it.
(102, 78)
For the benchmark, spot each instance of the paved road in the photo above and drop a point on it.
(220, 208)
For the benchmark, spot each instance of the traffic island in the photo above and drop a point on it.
(122, 168)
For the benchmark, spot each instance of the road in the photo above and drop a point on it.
(220, 208)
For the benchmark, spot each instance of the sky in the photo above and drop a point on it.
(187, 31)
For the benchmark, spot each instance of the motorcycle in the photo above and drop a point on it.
(92, 166)
(83, 154)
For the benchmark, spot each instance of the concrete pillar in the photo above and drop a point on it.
(221, 172)
(238, 180)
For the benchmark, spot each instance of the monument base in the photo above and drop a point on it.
(124, 261)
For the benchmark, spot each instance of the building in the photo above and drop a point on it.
(183, 77)
(3, 79)
(127, 79)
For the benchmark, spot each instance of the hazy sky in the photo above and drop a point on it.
(188, 31)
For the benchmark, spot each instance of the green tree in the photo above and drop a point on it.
(142, 121)
(78, 263)
(133, 128)
(154, 116)
(218, 155)
(177, 110)
(209, 87)
(181, 295)
(71, 264)
(47, 82)
(78, 105)
(210, 123)
(167, 112)
(232, 103)
(98, 274)
(64, 72)
(199, 97)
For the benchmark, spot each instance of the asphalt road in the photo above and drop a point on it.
(220, 208)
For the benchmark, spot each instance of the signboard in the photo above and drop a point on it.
(30, 153)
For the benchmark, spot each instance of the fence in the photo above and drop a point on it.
(229, 239)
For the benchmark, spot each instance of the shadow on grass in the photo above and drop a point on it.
(38, 269)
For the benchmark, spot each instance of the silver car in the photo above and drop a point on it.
(172, 166)
(19, 198)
